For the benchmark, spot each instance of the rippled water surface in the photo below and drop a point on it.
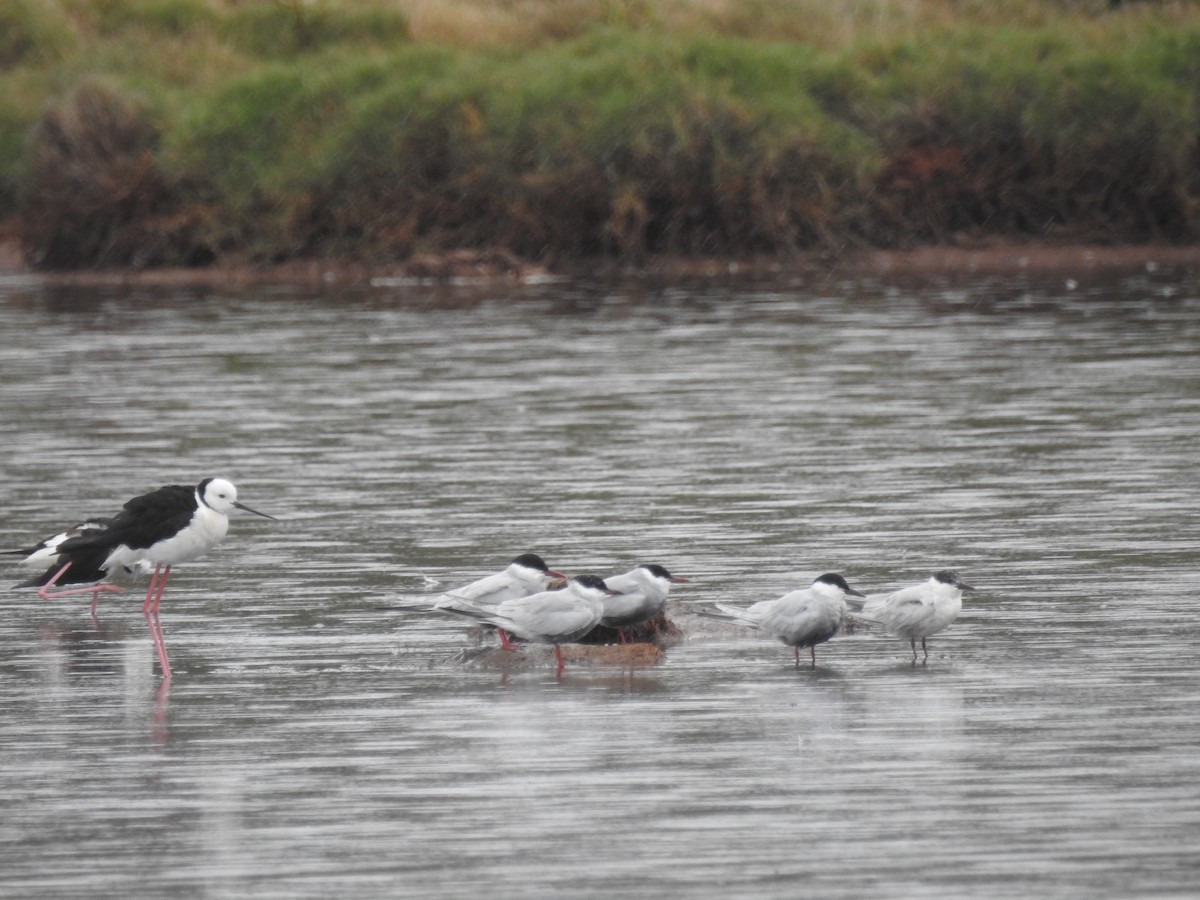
(321, 738)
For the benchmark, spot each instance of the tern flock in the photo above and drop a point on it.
(522, 600)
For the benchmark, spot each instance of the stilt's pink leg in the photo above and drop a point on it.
(162, 586)
(148, 606)
(161, 696)
(150, 611)
(160, 645)
(45, 593)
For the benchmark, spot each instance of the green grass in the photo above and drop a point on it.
(375, 130)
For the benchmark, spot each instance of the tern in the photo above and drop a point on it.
(642, 596)
(550, 617)
(526, 574)
(917, 611)
(802, 618)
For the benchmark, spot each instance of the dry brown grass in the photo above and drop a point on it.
(823, 24)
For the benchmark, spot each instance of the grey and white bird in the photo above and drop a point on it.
(549, 617)
(799, 619)
(642, 595)
(917, 611)
(526, 574)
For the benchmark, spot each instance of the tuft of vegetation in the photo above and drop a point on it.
(150, 132)
(288, 30)
(32, 33)
(96, 195)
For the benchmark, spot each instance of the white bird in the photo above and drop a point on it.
(918, 611)
(550, 617)
(801, 618)
(173, 524)
(642, 595)
(525, 575)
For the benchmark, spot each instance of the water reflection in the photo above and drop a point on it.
(315, 740)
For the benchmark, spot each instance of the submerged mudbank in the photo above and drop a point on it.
(531, 657)
(645, 645)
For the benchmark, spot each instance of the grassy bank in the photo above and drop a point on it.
(156, 132)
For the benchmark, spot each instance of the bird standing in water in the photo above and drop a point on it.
(551, 617)
(527, 574)
(801, 618)
(164, 527)
(919, 610)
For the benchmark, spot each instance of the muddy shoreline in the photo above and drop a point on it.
(476, 266)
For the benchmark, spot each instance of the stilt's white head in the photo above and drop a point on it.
(217, 494)
(221, 496)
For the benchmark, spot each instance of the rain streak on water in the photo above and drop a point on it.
(319, 740)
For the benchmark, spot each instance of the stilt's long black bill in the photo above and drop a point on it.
(255, 511)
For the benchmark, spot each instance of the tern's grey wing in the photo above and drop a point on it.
(879, 607)
(872, 607)
(627, 582)
(628, 608)
(489, 591)
(752, 615)
(549, 617)
(910, 615)
(803, 618)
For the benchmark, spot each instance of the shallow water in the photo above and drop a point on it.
(319, 740)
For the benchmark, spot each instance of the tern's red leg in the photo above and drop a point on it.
(505, 643)
(796, 653)
(558, 656)
(45, 593)
(813, 650)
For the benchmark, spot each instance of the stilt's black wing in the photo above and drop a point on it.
(142, 522)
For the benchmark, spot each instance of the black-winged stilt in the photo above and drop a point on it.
(171, 525)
